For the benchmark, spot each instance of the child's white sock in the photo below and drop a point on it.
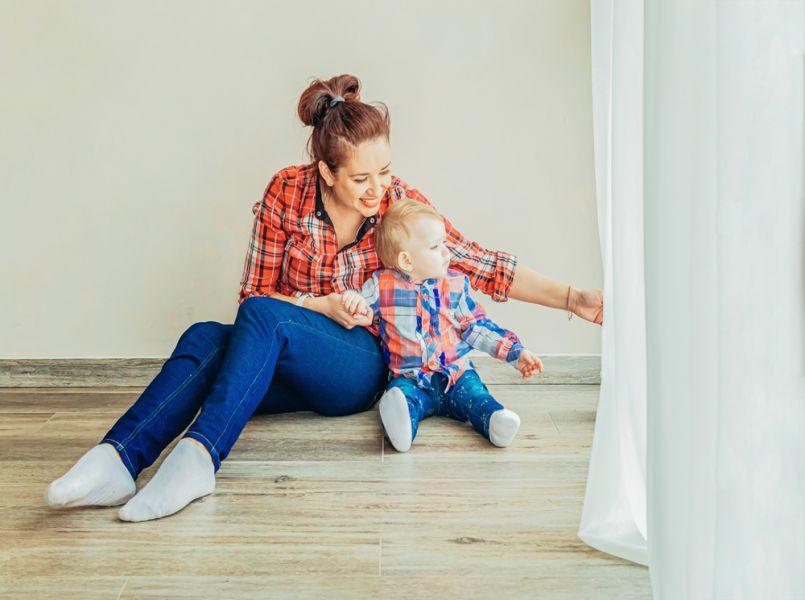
(99, 478)
(503, 426)
(396, 419)
(186, 473)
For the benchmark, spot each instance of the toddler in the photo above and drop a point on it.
(428, 324)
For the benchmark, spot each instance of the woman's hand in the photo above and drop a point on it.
(528, 364)
(335, 308)
(588, 304)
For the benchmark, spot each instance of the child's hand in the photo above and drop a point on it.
(528, 364)
(355, 304)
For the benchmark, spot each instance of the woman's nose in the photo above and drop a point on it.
(376, 188)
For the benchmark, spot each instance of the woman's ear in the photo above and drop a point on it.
(326, 173)
(404, 262)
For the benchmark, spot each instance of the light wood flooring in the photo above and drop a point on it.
(315, 507)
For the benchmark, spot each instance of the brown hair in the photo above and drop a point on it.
(337, 130)
(393, 230)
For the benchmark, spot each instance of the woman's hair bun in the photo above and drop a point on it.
(314, 104)
(341, 126)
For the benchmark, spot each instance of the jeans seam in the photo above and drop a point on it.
(121, 450)
(246, 393)
(170, 397)
(330, 336)
(202, 435)
(216, 458)
(301, 308)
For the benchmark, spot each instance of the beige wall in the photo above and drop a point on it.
(135, 138)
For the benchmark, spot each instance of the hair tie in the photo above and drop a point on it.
(336, 100)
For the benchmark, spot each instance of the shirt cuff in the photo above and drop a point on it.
(264, 293)
(514, 354)
(504, 276)
(509, 348)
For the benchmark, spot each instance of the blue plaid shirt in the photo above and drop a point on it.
(430, 326)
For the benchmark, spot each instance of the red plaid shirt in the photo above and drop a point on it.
(293, 248)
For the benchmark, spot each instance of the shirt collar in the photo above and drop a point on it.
(410, 280)
(321, 213)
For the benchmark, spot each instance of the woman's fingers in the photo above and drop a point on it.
(363, 320)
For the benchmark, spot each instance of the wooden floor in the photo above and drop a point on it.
(314, 507)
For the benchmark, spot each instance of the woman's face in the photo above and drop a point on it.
(360, 182)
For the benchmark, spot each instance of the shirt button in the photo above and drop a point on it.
(318, 214)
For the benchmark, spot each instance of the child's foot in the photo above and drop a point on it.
(396, 419)
(186, 474)
(99, 478)
(503, 426)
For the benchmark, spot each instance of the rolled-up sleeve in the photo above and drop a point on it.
(480, 332)
(489, 271)
(267, 245)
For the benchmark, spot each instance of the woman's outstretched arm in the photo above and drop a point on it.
(530, 286)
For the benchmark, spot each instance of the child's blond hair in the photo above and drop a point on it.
(394, 228)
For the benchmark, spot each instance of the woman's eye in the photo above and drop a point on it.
(364, 179)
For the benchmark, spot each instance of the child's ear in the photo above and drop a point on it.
(404, 262)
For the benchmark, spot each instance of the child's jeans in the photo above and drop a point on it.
(276, 358)
(467, 400)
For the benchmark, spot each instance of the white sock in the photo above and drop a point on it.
(99, 478)
(186, 473)
(396, 419)
(503, 426)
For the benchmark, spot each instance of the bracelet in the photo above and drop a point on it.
(567, 304)
(301, 299)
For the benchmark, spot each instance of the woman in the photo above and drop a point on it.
(292, 347)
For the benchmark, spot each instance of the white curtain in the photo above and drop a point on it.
(713, 90)
(614, 515)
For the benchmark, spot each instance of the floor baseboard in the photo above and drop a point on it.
(563, 369)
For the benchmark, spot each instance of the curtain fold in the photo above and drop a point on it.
(614, 515)
(698, 454)
(724, 225)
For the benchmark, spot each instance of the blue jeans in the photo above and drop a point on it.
(276, 358)
(467, 400)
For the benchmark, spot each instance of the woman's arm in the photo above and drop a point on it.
(330, 306)
(266, 246)
(501, 276)
(530, 286)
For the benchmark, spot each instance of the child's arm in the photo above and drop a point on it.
(365, 301)
(483, 334)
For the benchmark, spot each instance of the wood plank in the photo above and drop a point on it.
(309, 507)
(78, 372)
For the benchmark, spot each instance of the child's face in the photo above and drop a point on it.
(425, 255)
